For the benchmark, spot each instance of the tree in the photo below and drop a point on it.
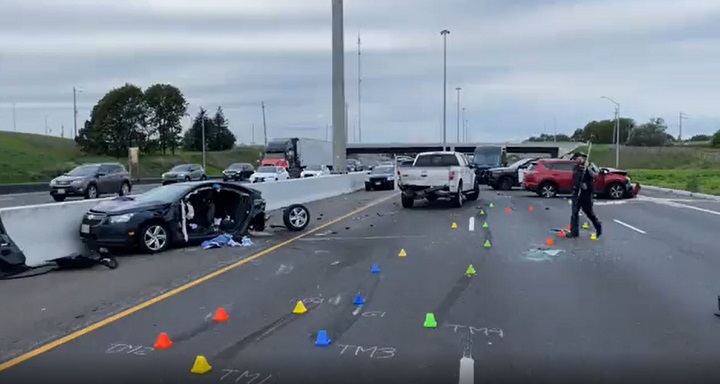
(715, 141)
(166, 108)
(577, 135)
(602, 132)
(192, 141)
(700, 138)
(548, 137)
(651, 134)
(117, 122)
(222, 139)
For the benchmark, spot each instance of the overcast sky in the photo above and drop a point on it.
(525, 66)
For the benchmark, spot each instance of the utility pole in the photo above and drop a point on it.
(46, 125)
(457, 134)
(14, 118)
(338, 88)
(62, 130)
(464, 127)
(555, 129)
(202, 124)
(75, 113)
(347, 126)
(617, 129)
(262, 104)
(444, 34)
(359, 119)
(683, 116)
(252, 135)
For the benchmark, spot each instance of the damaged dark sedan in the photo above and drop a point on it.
(179, 214)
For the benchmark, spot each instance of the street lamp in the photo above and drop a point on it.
(75, 111)
(683, 116)
(457, 135)
(444, 34)
(464, 122)
(617, 130)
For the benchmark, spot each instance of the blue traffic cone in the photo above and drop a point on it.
(375, 269)
(359, 300)
(322, 339)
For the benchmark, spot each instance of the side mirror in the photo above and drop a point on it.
(471, 165)
(100, 174)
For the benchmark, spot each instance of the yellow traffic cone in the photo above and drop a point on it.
(201, 366)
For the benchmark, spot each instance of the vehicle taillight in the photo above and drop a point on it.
(451, 176)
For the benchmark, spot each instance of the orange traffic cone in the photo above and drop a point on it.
(221, 315)
(569, 228)
(508, 210)
(163, 341)
(549, 242)
(561, 234)
(531, 208)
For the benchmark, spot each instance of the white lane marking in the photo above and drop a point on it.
(361, 238)
(357, 310)
(467, 370)
(471, 225)
(674, 204)
(630, 226)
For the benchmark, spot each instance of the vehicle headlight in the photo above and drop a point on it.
(391, 178)
(164, 175)
(76, 182)
(121, 218)
(53, 182)
(367, 178)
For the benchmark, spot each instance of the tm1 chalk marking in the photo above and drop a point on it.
(244, 376)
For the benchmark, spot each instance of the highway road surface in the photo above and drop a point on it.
(35, 198)
(638, 303)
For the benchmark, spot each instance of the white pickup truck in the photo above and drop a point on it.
(438, 174)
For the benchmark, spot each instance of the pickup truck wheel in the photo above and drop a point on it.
(547, 190)
(457, 200)
(472, 196)
(615, 191)
(506, 183)
(407, 201)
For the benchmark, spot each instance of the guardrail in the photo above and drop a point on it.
(50, 231)
(8, 189)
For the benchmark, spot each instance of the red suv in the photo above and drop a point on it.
(551, 177)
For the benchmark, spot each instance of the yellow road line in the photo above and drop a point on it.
(82, 332)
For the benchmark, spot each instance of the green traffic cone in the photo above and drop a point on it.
(482, 212)
(485, 225)
(491, 205)
(487, 244)
(430, 321)
(470, 270)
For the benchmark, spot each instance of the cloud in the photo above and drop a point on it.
(524, 66)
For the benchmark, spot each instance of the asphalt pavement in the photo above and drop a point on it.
(637, 303)
(35, 198)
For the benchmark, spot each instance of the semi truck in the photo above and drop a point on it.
(294, 154)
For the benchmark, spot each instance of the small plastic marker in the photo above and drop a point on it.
(482, 212)
(453, 226)
(586, 226)
(430, 321)
(593, 236)
(491, 205)
(569, 202)
(508, 210)
(485, 225)
(569, 227)
(470, 270)
(487, 244)
(531, 208)
(375, 269)
(323, 340)
(561, 234)
(402, 253)
(221, 315)
(299, 308)
(201, 366)
(549, 242)
(163, 341)
(358, 300)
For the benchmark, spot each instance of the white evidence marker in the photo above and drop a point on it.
(471, 224)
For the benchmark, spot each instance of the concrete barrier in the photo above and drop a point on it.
(50, 231)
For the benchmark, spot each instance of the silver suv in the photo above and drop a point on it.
(184, 172)
(91, 181)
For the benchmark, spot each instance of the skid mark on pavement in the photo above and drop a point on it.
(446, 305)
(348, 314)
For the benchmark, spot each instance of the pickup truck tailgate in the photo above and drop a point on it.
(429, 177)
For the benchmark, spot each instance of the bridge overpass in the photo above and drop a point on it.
(552, 148)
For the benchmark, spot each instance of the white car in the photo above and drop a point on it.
(269, 173)
(315, 170)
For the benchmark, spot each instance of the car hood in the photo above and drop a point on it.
(256, 174)
(125, 205)
(175, 173)
(68, 179)
(616, 171)
(500, 169)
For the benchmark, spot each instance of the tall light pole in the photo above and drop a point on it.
(262, 105)
(202, 125)
(14, 118)
(617, 130)
(457, 134)
(444, 34)
(682, 117)
(464, 122)
(359, 126)
(338, 88)
(75, 111)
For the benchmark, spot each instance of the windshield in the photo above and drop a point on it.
(488, 156)
(518, 163)
(314, 168)
(236, 166)
(382, 170)
(166, 194)
(437, 160)
(275, 155)
(180, 168)
(84, 170)
(266, 170)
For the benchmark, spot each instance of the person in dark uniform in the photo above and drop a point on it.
(583, 194)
